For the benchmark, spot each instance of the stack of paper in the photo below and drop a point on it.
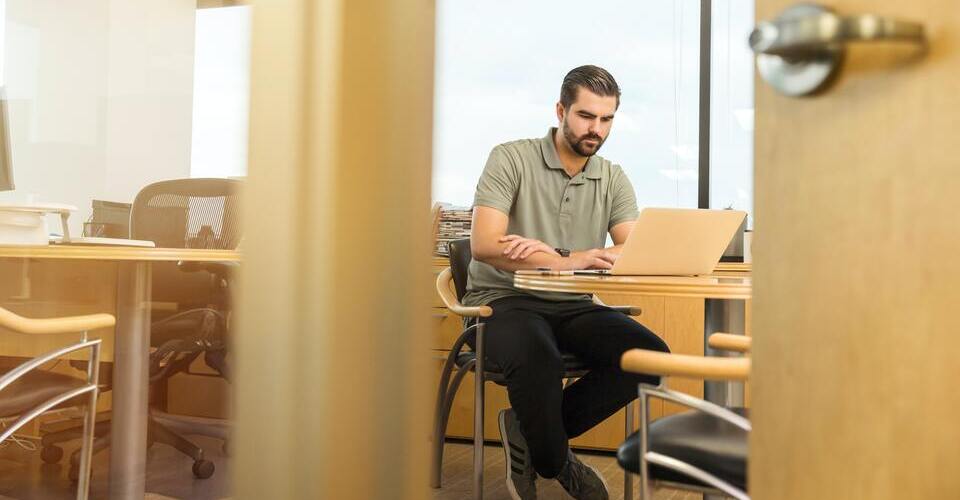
(454, 224)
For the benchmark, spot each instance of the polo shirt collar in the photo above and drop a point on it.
(591, 170)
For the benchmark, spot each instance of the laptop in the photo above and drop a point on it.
(676, 242)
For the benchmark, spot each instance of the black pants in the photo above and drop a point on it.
(524, 338)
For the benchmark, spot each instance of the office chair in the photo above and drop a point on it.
(27, 392)
(182, 213)
(451, 286)
(702, 450)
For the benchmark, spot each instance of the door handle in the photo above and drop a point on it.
(801, 51)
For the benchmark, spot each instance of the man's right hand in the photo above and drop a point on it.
(596, 258)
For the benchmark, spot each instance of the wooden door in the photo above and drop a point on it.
(856, 376)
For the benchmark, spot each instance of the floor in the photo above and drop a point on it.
(458, 476)
(24, 476)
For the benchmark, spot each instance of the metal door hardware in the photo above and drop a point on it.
(802, 50)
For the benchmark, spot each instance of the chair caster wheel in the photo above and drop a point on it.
(202, 469)
(51, 454)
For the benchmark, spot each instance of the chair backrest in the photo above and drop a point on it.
(188, 213)
(460, 258)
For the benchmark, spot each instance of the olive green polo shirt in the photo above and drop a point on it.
(525, 180)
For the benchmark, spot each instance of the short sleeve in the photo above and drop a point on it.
(497, 187)
(623, 207)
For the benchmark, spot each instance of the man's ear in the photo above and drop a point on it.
(560, 111)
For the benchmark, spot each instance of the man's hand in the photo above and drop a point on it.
(519, 248)
(489, 245)
(596, 258)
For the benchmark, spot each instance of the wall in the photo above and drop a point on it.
(100, 97)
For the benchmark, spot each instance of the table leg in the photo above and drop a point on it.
(727, 316)
(128, 441)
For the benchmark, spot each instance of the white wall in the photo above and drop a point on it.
(100, 97)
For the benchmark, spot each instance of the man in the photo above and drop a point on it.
(550, 203)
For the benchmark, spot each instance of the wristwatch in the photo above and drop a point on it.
(563, 252)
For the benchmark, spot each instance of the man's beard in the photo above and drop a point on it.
(576, 143)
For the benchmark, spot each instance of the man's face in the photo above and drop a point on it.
(587, 123)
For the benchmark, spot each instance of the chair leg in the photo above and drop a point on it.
(202, 468)
(642, 449)
(478, 417)
(627, 477)
(86, 456)
(162, 434)
(439, 430)
(185, 424)
(440, 425)
(71, 433)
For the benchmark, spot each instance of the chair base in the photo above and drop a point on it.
(162, 428)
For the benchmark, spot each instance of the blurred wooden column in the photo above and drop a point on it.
(333, 390)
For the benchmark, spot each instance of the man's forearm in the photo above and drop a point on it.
(533, 261)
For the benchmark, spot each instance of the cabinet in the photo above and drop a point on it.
(679, 321)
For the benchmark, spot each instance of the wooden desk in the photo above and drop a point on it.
(131, 343)
(680, 320)
(726, 293)
(707, 287)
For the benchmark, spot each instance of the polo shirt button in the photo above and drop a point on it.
(568, 199)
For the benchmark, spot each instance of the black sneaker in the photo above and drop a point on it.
(521, 478)
(582, 481)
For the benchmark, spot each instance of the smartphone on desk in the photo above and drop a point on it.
(543, 271)
(592, 272)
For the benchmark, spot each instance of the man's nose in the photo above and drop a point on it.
(594, 127)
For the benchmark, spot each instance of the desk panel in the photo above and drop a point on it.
(54, 288)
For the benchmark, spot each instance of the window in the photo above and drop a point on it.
(498, 71)
(221, 92)
(731, 106)
(500, 64)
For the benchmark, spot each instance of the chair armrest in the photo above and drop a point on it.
(69, 324)
(729, 342)
(682, 365)
(628, 310)
(661, 392)
(449, 298)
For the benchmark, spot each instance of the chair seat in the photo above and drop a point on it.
(704, 441)
(572, 365)
(34, 388)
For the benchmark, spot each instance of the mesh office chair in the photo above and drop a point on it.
(452, 286)
(182, 213)
(27, 392)
(702, 450)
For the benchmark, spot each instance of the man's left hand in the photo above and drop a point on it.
(519, 248)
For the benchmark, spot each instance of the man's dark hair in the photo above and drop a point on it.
(593, 78)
